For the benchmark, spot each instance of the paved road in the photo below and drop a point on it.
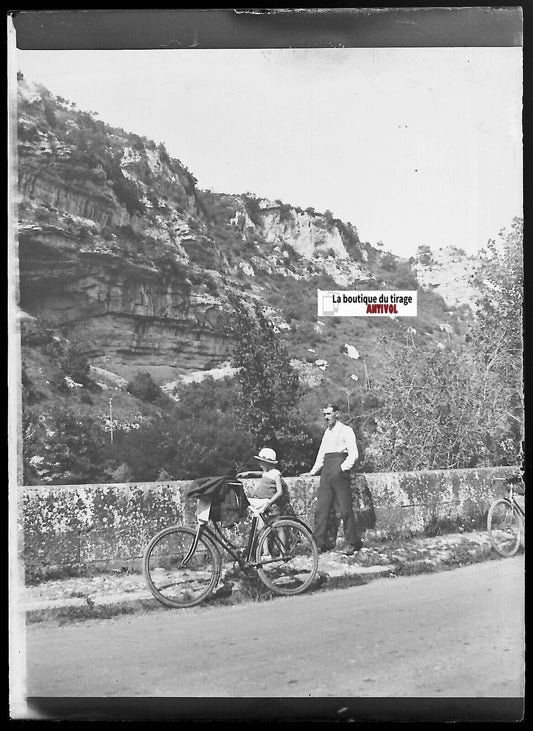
(452, 634)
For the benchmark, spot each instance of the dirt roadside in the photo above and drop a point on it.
(125, 592)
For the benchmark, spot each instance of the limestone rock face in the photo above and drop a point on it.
(307, 234)
(449, 272)
(122, 254)
(102, 228)
(42, 184)
(313, 237)
(122, 312)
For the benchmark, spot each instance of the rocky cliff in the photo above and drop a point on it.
(449, 272)
(122, 254)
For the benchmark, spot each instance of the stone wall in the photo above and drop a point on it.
(425, 502)
(70, 526)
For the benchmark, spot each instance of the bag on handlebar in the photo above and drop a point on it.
(228, 499)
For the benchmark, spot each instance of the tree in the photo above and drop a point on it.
(496, 334)
(269, 389)
(461, 407)
(497, 328)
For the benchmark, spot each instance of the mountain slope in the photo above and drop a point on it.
(125, 257)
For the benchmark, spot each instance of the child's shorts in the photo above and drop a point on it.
(273, 510)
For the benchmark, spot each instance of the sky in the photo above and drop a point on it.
(413, 146)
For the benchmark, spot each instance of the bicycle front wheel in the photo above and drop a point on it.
(505, 527)
(292, 561)
(170, 581)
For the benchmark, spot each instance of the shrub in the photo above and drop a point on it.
(128, 194)
(330, 220)
(295, 446)
(27, 133)
(143, 387)
(285, 212)
(209, 396)
(424, 255)
(71, 362)
(35, 332)
(62, 448)
(441, 410)
(75, 365)
(204, 444)
(49, 113)
(389, 262)
(253, 208)
(29, 393)
(163, 154)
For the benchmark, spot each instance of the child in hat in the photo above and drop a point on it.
(268, 494)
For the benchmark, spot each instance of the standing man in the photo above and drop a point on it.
(336, 457)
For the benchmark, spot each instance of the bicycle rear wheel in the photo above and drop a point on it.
(171, 582)
(294, 557)
(505, 527)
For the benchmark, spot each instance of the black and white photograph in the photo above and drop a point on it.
(265, 364)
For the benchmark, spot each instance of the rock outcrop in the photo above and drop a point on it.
(449, 272)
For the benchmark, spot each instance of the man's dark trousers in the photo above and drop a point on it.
(335, 485)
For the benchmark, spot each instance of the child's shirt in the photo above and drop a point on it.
(267, 484)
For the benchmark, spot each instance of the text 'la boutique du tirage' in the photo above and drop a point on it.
(401, 303)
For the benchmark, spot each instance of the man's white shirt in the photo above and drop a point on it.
(340, 438)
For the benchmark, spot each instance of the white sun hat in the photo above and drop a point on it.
(267, 455)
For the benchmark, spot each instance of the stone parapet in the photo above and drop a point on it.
(68, 526)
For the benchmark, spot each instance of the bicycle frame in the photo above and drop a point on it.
(243, 559)
(516, 504)
(511, 495)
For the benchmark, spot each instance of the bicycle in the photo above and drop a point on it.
(505, 520)
(182, 564)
